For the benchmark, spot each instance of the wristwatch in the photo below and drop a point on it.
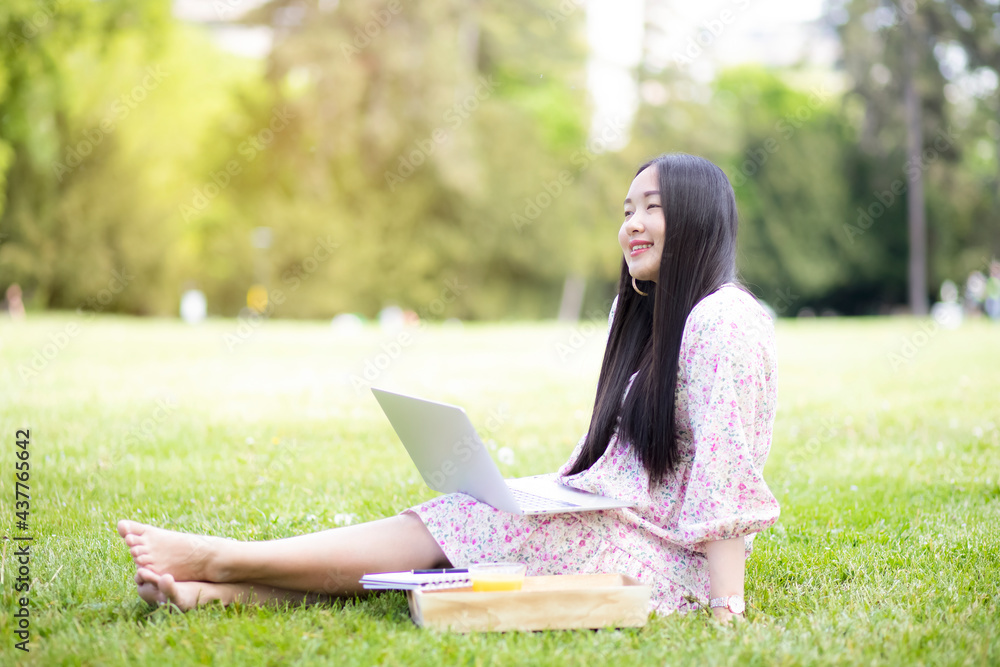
(733, 603)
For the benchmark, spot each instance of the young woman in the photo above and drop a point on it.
(681, 427)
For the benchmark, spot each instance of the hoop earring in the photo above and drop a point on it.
(636, 288)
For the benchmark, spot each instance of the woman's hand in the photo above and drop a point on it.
(725, 617)
(726, 571)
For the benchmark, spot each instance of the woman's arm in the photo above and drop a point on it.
(726, 571)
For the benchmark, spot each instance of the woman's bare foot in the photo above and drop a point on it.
(158, 589)
(149, 590)
(184, 556)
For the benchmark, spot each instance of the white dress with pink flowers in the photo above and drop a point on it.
(726, 399)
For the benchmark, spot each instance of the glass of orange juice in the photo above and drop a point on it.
(497, 576)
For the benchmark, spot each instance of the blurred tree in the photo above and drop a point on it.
(48, 158)
(103, 105)
(788, 151)
(933, 100)
(437, 155)
(417, 135)
(969, 50)
(820, 176)
(794, 149)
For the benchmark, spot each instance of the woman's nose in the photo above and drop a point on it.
(633, 224)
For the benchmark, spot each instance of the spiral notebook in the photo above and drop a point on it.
(416, 579)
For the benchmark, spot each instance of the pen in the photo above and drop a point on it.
(446, 570)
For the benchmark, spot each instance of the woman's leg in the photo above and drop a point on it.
(187, 595)
(329, 562)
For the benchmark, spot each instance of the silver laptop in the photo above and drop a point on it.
(451, 458)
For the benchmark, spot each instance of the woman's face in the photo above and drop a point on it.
(643, 231)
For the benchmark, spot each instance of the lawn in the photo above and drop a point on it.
(886, 462)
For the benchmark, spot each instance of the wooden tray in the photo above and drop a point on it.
(545, 603)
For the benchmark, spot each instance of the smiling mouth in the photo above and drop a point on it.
(640, 248)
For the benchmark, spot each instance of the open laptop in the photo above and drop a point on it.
(451, 458)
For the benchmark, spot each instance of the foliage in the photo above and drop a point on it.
(103, 103)
(405, 152)
(400, 152)
(956, 78)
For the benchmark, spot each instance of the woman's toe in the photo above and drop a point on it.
(148, 576)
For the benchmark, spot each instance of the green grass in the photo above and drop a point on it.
(887, 551)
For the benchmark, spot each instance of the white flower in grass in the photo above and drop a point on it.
(506, 455)
(344, 519)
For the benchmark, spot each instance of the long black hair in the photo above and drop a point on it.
(698, 256)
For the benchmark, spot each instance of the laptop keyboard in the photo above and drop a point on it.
(529, 502)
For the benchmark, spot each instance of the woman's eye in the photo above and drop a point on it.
(627, 214)
(652, 206)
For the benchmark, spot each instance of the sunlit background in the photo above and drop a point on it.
(467, 159)
(223, 221)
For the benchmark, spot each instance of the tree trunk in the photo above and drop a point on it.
(915, 211)
(572, 298)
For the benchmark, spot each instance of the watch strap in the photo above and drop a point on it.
(733, 603)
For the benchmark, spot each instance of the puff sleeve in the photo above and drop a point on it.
(727, 392)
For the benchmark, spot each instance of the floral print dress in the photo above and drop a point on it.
(725, 403)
